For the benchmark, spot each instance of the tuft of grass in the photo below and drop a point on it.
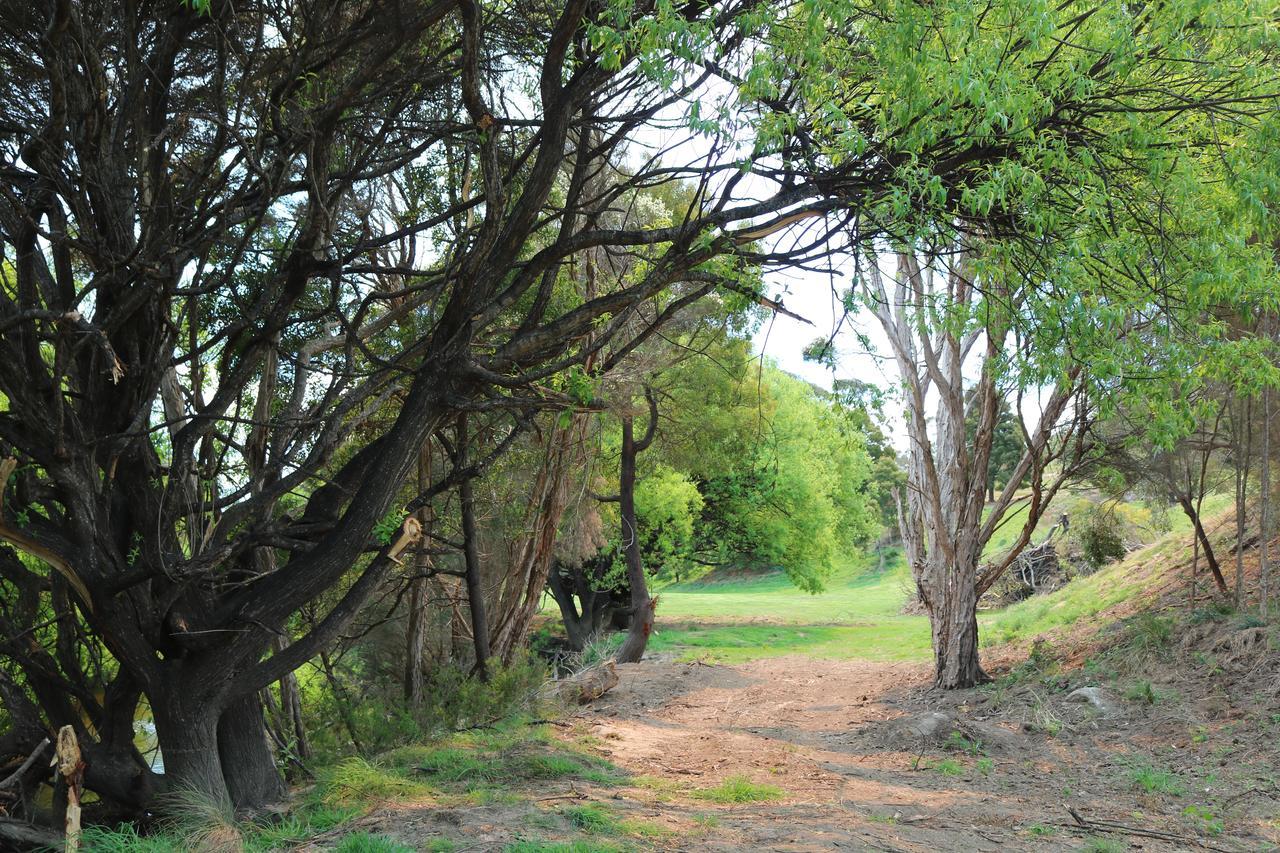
(957, 742)
(592, 818)
(986, 766)
(1155, 780)
(367, 842)
(739, 789)
(1205, 818)
(527, 846)
(359, 783)
(1040, 829)
(949, 767)
(1103, 845)
(1144, 692)
(125, 839)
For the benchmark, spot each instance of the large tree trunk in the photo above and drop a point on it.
(953, 618)
(248, 762)
(226, 758)
(188, 736)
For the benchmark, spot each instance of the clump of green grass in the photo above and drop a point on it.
(986, 766)
(1155, 780)
(367, 842)
(357, 782)
(949, 767)
(1205, 818)
(957, 742)
(1143, 691)
(592, 818)
(1103, 845)
(740, 789)
(533, 846)
(1040, 829)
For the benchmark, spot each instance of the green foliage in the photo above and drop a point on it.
(358, 783)
(1104, 845)
(949, 767)
(452, 700)
(1143, 691)
(591, 818)
(1205, 818)
(668, 504)
(784, 472)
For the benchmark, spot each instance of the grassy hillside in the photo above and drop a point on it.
(733, 616)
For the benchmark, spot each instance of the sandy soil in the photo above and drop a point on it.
(835, 737)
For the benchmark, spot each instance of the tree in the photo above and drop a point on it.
(937, 320)
(359, 214)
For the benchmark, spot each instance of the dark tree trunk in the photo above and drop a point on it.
(1210, 559)
(471, 554)
(248, 763)
(188, 736)
(576, 625)
(642, 606)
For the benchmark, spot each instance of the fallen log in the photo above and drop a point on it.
(17, 835)
(589, 684)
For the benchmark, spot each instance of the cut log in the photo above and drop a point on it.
(590, 684)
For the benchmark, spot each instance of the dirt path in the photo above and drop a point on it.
(836, 737)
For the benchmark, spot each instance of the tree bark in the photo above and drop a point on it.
(1209, 557)
(471, 555)
(1264, 521)
(188, 736)
(953, 619)
(248, 762)
(642, 606)
(416, 635)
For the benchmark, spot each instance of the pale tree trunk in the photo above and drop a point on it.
(942, 523)
(416, 634)
(523, 584)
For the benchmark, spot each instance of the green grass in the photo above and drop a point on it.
(856, 617)
(365, 842)
(563, 847)
(739, 789)
(1155, 780)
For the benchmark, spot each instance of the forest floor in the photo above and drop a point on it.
(767, 719)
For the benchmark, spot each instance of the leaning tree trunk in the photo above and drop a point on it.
(1202, 535)
(642, 606)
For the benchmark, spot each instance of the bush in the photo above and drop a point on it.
(452, 700)
(1099, 535)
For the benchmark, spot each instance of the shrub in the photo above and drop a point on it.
(1099, 534)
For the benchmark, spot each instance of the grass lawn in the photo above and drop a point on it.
(740, 617)
(736, 616)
